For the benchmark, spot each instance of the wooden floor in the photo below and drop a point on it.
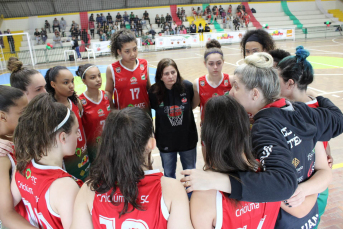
(328, 82)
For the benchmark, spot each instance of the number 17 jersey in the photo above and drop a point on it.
(130, 85)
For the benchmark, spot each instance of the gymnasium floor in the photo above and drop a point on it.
(327, 60)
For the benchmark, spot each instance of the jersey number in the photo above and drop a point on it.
(127, 224)
(102, 123)
(133, 92)
(32, 216)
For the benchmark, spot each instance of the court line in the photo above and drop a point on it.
(333, 40)
(337, 53)
(231, 48)
(328, 74)
(317, 90)
(328, 93)
(237, 63)
(337, 166)
(230, 64)
(326, 64)
(178, 59)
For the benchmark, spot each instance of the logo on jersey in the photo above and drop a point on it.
(85, 159)
(78, 152)
(184, 100)
(130, 105)
(133, 80)
(108, 108)
(98, 140)
(226, 83)
(118, 70)
(215, 95)
(28, 173)
(202, 83)
(83, 101)
(101, 112)
(226, 92)
(143, 77)
(106, 97)
(162, 104)
(142, 66)
(295, 162)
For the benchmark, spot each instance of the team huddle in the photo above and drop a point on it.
(84, 161)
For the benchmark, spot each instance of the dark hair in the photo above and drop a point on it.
(8, 97)
(159, 88)
(213, 46)
(226, 135)
(264, 38)
(119, 165)
(51, 76)
(20, 76)
(278, 54)
(35, 135)
(119, 38)
(297, 68)
(82, 69)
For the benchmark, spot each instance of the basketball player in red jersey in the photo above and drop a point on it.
(123, 191)
(60, 85)
(48, 191)
(127, 80)
(213, 209)
(12, 103)
(215, 83)
(96, 106)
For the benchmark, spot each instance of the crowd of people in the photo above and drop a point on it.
(264, 143)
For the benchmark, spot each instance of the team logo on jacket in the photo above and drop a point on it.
(142, 66)
(83, 101)
(118, 70)
(85, 159)
(108, 108)
(295, 162)
(184, 100)
(101, 112)
(143, 77)
(226, 83)
(202, 83)
(28, 173)
(133, 80)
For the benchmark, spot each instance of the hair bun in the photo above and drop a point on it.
(301, 53)
(213, 44)
(260, 60)
(14, 64)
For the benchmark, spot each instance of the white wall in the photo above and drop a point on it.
(339, 5)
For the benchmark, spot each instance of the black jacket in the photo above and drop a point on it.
(193, 28)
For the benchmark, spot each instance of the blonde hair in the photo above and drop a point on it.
(258, 72)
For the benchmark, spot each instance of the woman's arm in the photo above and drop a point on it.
(109, 82)
(196, 97)
(63, 193)
(83, 204)
(203, 209)
(303, 209)
(5, 147)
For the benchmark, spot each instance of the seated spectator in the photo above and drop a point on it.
(193, 28)
(236, 23)
(157, 20)
(224, 22)
(166, 28)
(47, 26)
(133, 28)
(229, 11)
(214, 8)
(102, 36)
(163, 21)
(91, 18)
(199, 12)
(44, 35)
(98, 19)
(57, 39)
(132, 17)
(184, 30)
(113, 29)
(207, 28)
(91, 28)
(75, 46)
(37, 37)
(168, 18)
(109, 18)
(152, 32)
(104, 20)
(195, 14)
(174, 25)
(144, 24)
(139, 27)
(55, 24)
(208, 10)
(136, 20)
(239, 7)
(116, 26)
(73, 23)
(243, 7)
(200, 28)
(109, 32)
(171, 31)
(146, 16)
(122, 25)
(126, 17)
(63, 26)
(118, 17)
(229, 21)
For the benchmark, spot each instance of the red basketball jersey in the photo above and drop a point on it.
(130, 85)
(20, 208)
(207, 91)
(34, 190)
(314, 104)
(246, 214)
(78, 164)
(93, 120)
(106, 216)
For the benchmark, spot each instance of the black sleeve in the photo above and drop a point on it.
(152, 99)
(278, 181)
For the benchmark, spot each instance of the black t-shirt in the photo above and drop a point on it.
(175, 126)
(37, 34)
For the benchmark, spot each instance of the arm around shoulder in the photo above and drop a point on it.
(109, 81)
(196, 97)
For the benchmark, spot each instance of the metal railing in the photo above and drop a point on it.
(322, 31)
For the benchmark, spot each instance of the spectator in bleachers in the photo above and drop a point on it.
(122, 25)
(73, 23)
(109, 31)
(63, 26)
(157, 20)
(44, 35)
(243, 7)
(56, 24)
(47, 25)
(73, 31)
(178, 13)
(75, 46)
(37, 37)
(91, 18)
(132, 17)
(133, 28)
(214, 10)
(139, 27)
(194, 13)
(166, 28)
(104, 20)
(144, 23)
(207, 28)
(163, 21)
(229, 21)
(113, 30)
(224, 22)
(10, 41)
(169, 18)
(236, 23)
(152, 32)
(208, 10)
(239, 7)
(174, 25)
(126, 17)
(84, 37)
(102, 36)
(246, 19)
(118, 17)
(1, 41)
(171, 31)
(216, 14)
(116, 26)
(91, 27)
(136, 20)
(146, 16)
(98, 19)
(193, 28)
(200, 28)
(184, 30)
(109, 18)
(229, 11)
(57, 39)
(199, 12)
(98, 28)
(183, 13)
(221, 10)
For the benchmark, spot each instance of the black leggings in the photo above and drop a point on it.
(92, 32)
